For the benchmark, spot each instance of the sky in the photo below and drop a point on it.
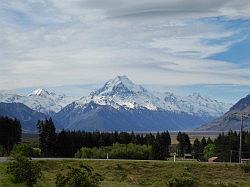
(73, 46)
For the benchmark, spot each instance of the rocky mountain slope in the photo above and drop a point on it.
(24, 114)
(232, 118)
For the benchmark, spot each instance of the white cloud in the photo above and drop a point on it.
(52, 42)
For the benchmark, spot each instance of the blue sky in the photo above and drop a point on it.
(75, 46)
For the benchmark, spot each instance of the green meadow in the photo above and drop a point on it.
(142, 173)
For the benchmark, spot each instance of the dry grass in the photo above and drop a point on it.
(138, 174)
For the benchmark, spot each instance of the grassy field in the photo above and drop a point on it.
(138, 173)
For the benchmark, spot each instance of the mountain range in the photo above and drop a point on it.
(39, 100)
(119, 105)
(232, 118)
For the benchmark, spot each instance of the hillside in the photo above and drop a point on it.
(231, 119)
(24, 114)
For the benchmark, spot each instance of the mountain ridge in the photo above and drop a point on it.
(231, 120)
(40, 100)
(133, 104)
(126, 99)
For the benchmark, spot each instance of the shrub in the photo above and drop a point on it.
(100, 153)
(79, 177)
(36, 152)
(117, 151)
(209, 151)
(182, 183)
(24, 171)
(246, 167)
(21, 150)
(25, 150)
(130, 151)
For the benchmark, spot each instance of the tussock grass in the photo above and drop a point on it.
(138, 174)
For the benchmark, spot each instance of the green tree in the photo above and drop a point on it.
(209, 141)
(209, 151)
(227, 146)
(64, 144)
(203, 144)
(160, 147)
(47, 137)
(196, 149)
(10, 133)
(22, 150)
(184, 145)
(24, 171)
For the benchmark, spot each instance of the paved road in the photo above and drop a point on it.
(5, 159)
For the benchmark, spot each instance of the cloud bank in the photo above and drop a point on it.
(52, 42)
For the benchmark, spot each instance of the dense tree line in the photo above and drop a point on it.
(184, 145)
(67, 143)
(198, 148)
(160, 146)
(47, 137)
(225, 147)
(10, 133)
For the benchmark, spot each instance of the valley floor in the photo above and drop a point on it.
(139, 174)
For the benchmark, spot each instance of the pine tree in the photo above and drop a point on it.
(160, 148)
(203, 144)
(196, 149)
(184, 145)
(47, 137)
(209, 141)
(63, 144)
(10, 133)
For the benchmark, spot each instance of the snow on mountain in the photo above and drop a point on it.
(120, 85)
(231, 120)
(194, 104)
(121, 105)
(122, 92)
(42, 93)
(206, 106)
(40, 100)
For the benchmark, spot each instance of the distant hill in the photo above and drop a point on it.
(24, 114)
(229, 120)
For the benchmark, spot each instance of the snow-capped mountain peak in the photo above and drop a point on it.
(120, 85)
(119, 93)
(40, 100)
(42, 92)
